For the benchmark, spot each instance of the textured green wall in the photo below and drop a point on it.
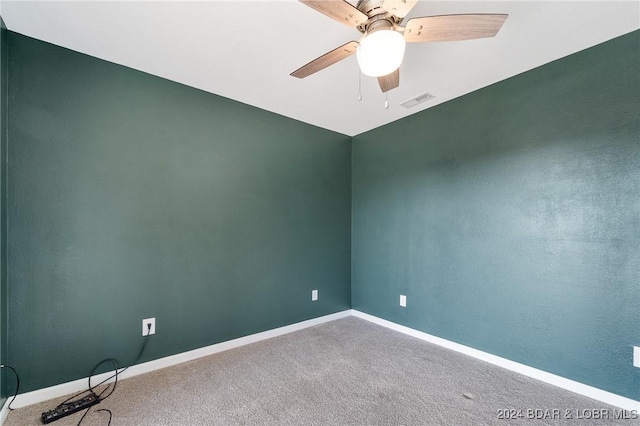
(510, 218)
(132, 197)
(3, 207)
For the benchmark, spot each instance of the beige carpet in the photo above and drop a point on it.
(347, 372)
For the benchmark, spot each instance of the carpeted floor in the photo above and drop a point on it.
(347, 372)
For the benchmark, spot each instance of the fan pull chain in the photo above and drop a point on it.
(359, 85)
(386, 100)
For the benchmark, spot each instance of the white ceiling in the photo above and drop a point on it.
(245, 50)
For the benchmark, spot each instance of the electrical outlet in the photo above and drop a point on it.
(145, 330)
(403, 300)
(314, 295)
(636, 356)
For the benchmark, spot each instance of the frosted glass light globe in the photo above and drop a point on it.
(380, 53)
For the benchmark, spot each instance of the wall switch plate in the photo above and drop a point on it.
(314, 295)
(403, 300)
(636, 356)
(146, 321)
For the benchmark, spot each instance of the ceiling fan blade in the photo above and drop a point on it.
(453, 27)
(339, 10)
(327, 59)
(389, 81)
(399, 8)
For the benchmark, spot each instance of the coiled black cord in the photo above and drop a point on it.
(115, 383)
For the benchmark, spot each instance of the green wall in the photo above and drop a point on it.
(131, 197)
(510, 218)
(3, 208)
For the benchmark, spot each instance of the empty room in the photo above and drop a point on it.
(319, 212)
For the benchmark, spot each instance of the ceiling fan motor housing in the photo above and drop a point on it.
(376, 13)
(370, 7)
(378, 23)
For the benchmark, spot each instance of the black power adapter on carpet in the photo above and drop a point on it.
(85, 403)
(68, 408)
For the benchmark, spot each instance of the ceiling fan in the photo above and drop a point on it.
(381, 49)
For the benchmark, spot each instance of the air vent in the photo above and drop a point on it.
(417, 100)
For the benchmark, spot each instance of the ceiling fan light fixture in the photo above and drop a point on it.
(380, 53)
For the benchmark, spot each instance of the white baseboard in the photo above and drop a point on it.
(63, 389)
(5, 411)
(561, 382)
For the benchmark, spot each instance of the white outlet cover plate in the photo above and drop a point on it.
(403, 300)
(636, 356)
(314, 295)
(146, 321)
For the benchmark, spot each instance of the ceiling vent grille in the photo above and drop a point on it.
(417, 100)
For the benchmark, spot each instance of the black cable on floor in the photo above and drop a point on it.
(17, 384)
(84, 415)
(115, 383)
(108, 411)
(115, 367)
(144, 344)
(115, 363)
